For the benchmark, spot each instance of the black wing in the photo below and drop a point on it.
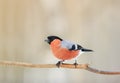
(76, 47)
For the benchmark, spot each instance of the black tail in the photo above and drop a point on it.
(86, 50)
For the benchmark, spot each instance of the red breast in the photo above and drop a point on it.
(62, 53)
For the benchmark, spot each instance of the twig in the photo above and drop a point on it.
(102, 72)
(71, 66)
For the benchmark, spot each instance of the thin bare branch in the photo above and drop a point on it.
(102, 72)
(70, 66)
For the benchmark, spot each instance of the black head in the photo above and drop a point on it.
(51, 38)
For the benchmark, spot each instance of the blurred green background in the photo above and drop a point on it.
(24, 24)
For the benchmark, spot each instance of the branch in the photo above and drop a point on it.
(70, 66)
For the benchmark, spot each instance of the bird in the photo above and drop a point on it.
(65, 50)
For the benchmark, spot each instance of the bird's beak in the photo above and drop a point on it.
(46, 40)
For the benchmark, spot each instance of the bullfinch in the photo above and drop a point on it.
(65, 50)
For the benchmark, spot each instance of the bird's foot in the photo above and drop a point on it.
(59, 63)
(75, 64)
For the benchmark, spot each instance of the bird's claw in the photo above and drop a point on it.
(59, 63)
(75, 64)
